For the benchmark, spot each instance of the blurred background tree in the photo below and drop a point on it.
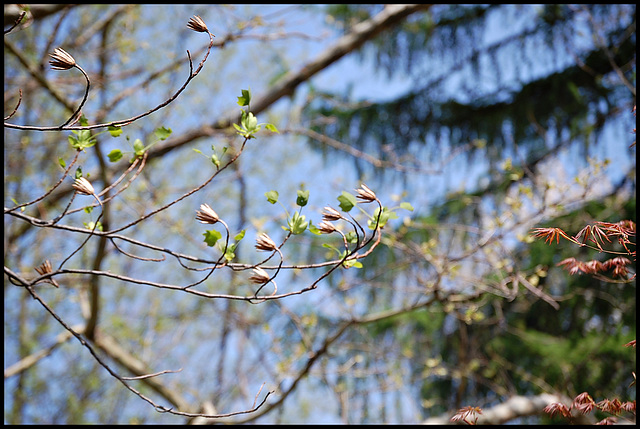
(517, 103)
(489, 120)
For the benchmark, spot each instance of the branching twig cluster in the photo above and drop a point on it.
(357, 243)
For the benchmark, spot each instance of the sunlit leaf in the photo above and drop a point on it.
(162, 133)
(352, 264)
(272, 196)
(115, 155)
(245, 98)
(314, 229)
(271, 128)
(211, 237)
(303, 198)
(138, 147)
(297, 223)
(406, 206)
(114, 131)
(347, 201)
(239, 236)
(381, 218)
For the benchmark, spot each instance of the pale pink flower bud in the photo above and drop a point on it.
(45, 268)
(83, 186)
(326, 227)
(331, 214)
(366, 194)
(265, 243)
(207, 215)
(61, 60)
(197, 24)
(259, 276)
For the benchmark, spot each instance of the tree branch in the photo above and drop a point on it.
(360, 34)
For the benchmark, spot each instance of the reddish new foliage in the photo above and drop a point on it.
(616, 265)
(466, 412)
(585, 404)
(550, 234)
(592, 233)
(558, 408)
(597, 234)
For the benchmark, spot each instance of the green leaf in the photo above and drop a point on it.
(406, 206)
(250, 122)
(239, 236)
(347, 201)
(83, 139)
(271, 128)
(303, 198)
(115, 155)
(297, 223)
(197, 151)
(350, 263)
(162, 133)
(114, 131)
(328, 246)
(211, 237)
(248, 125)
(240, 130)
(354, 264)
(313, 229)
(384, 217)
(272, 196)
(229, 253)
(62, 163)
(138, 147)
(88, 209)
(91, 225)
(245, 98)
(215, 160)
(78, 172)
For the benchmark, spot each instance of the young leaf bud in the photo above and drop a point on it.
(45, 268)
(259, 276)
(61, 60)
(365, 194)
(265, 243)
(207, 215)
(83, 186)
(326, 227)
(197, 24)
(331, 214)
